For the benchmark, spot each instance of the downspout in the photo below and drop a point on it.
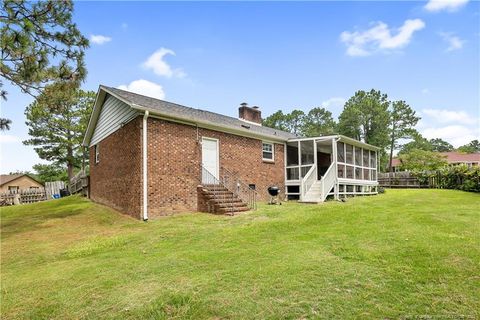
(145, 167)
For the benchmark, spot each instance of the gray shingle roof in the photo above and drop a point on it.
(169, 109)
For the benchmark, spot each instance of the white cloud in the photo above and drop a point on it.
(457, 135)
(447, 5)
(425, 91)
(124, 26)
(334, 102)
(448, 116)
(99, 39)
(157, 63)
(8, 138)
(380, 38)
(454, 42)
(145, 87)
(456, 127)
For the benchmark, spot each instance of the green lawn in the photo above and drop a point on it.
(403, 254)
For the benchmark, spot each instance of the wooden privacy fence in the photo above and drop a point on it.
(22, 197)
(406, 180)
(53, 187)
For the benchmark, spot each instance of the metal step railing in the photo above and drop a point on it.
(238, 189)
(242, 190)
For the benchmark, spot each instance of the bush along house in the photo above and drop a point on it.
(149, 158)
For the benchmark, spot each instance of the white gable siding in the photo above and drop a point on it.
(113, 115)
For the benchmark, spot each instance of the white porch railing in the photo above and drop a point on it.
(328, 181)
(308, 181)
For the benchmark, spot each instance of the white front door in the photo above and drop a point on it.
(210, 160)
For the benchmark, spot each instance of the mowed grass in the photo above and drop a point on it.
(403, 254)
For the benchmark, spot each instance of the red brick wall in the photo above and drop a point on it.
(116, 180)
(174, 157)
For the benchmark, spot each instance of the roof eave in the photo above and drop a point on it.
(92, 122)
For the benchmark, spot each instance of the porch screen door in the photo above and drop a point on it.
(210, 159)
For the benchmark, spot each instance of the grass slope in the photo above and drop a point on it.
(406, 253)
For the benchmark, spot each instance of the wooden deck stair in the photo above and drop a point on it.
(220, 200)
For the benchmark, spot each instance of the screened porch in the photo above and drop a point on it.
(329, 166)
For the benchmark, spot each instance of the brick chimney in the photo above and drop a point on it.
(251, 114)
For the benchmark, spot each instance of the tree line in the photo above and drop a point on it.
(369, 116)
(42, 53)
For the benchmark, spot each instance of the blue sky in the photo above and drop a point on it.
(280, 55)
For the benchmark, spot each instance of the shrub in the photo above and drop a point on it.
(459, 177)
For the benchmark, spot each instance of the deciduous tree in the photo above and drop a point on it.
(365, 117)
(421, 160)
(418, 142)
(50, 172)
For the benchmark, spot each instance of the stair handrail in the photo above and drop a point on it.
(308, 181)
(239, 188)
(208, 178)
(328, 180)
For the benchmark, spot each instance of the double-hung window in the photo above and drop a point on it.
(267, 151)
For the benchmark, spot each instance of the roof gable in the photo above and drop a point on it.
(6, 178)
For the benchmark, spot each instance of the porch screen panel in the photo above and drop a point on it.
(304, 171)
(349, 171)
(340, 152)
(293, 173)
(366, 174)
(358, 156)
(349, 153)
(358, 173)
(307, 154)
(373, 159)
(341, 171)
(365, 158)
(292, 153)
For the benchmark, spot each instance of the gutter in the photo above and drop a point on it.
(145, 166)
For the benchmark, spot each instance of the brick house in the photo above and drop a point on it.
(149, 158)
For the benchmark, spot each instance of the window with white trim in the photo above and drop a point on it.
(13, 189)
(267, 151)
(97, 154)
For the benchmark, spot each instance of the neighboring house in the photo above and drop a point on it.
(453, 158)
(14, 183)
(150, 157)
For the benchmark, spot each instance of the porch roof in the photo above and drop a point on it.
(341, 138)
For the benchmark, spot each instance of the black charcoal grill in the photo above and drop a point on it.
(274, 191)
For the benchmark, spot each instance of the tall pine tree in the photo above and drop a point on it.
(57, 121)
(402, 123)
(39, 44)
